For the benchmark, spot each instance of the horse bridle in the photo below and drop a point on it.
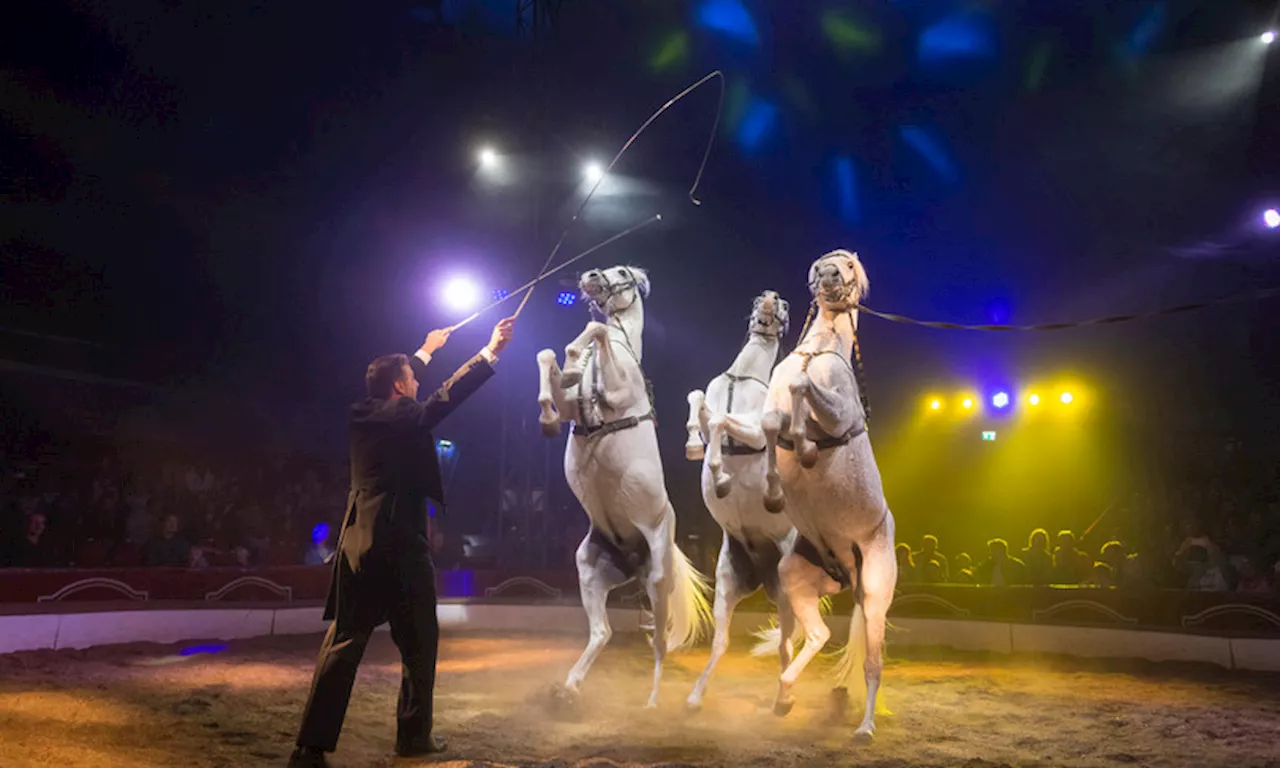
(779, 321)
(776, 326)
(600, 430)
(612, 289)
(846, 287)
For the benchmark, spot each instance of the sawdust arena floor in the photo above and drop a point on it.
(145, 705)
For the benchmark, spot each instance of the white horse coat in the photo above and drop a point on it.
(822, 471)
(727, 419)
(613, 467)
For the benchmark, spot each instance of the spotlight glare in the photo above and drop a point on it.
(593, 172)
(936, 405)
(966, 403)
(461, 294)
(1271, 218)
(1000, 400)
(1034, 399)
(1268, 37)
(488, 157)
(1066, 398)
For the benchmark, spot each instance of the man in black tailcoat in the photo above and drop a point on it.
(382, 569)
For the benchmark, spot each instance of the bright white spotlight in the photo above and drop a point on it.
(1271, 218)
(488, 157)
(461, 294)
(1268, 37)
(1000, 400)
(593, 172)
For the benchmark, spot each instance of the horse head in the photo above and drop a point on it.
(770, 315)
(614, 289)
(838, 281)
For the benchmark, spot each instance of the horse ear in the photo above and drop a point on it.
(813, 277)
(642, 281)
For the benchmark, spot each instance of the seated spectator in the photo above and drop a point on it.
(964, 570)
(929, 552)
(1038, 558)
(1253, 580)
(1203, 565)
(196, 558)
(931, 573)
(1000, 570)
(169, 549)
(1126, 569)
(907, 572)
(1067, 560)
(1102, 576)
(31, 549)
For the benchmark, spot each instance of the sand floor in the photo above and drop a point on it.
(145, 705)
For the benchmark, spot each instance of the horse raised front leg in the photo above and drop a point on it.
(548, 383)
(715, 455)
(771, 424)
(573, 364)
(806, 449)
(693, 446)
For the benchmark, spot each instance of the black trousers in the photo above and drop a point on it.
(400, 589)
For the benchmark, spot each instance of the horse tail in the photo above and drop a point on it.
(769, 638)
(854, 652)
(689, 617)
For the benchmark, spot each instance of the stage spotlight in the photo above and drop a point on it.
(461, 294)
(935, 405)
(1033, 399)
(500, 293)
(567, 298)
(1268, 37)
(488, 157)
(966, 403)
(1000, 400)
(593, 172)
(1271, 218)
(1066, 398)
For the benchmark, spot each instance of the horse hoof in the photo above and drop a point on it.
(564, 701)
(783, 707)
(864, 735)
(694, 452)
(550, 429)
(808, 454)
(774, 505)
(722, 488)
(693, 705)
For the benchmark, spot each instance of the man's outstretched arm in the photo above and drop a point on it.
(465, 381)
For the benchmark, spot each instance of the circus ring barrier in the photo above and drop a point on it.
(54, 609)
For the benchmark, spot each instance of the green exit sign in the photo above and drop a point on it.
(989, 434)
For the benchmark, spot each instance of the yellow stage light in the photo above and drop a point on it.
(966, 403)
(1034, 399)
(1066, 398)
(935, 405)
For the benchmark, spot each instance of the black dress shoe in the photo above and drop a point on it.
(433, 745)
(308, 757)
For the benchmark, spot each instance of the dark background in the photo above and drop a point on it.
(240, 203)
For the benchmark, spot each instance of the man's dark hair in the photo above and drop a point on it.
(383, 373)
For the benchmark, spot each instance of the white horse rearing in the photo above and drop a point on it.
(821, 469)
(727, 418)
(613, 466)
